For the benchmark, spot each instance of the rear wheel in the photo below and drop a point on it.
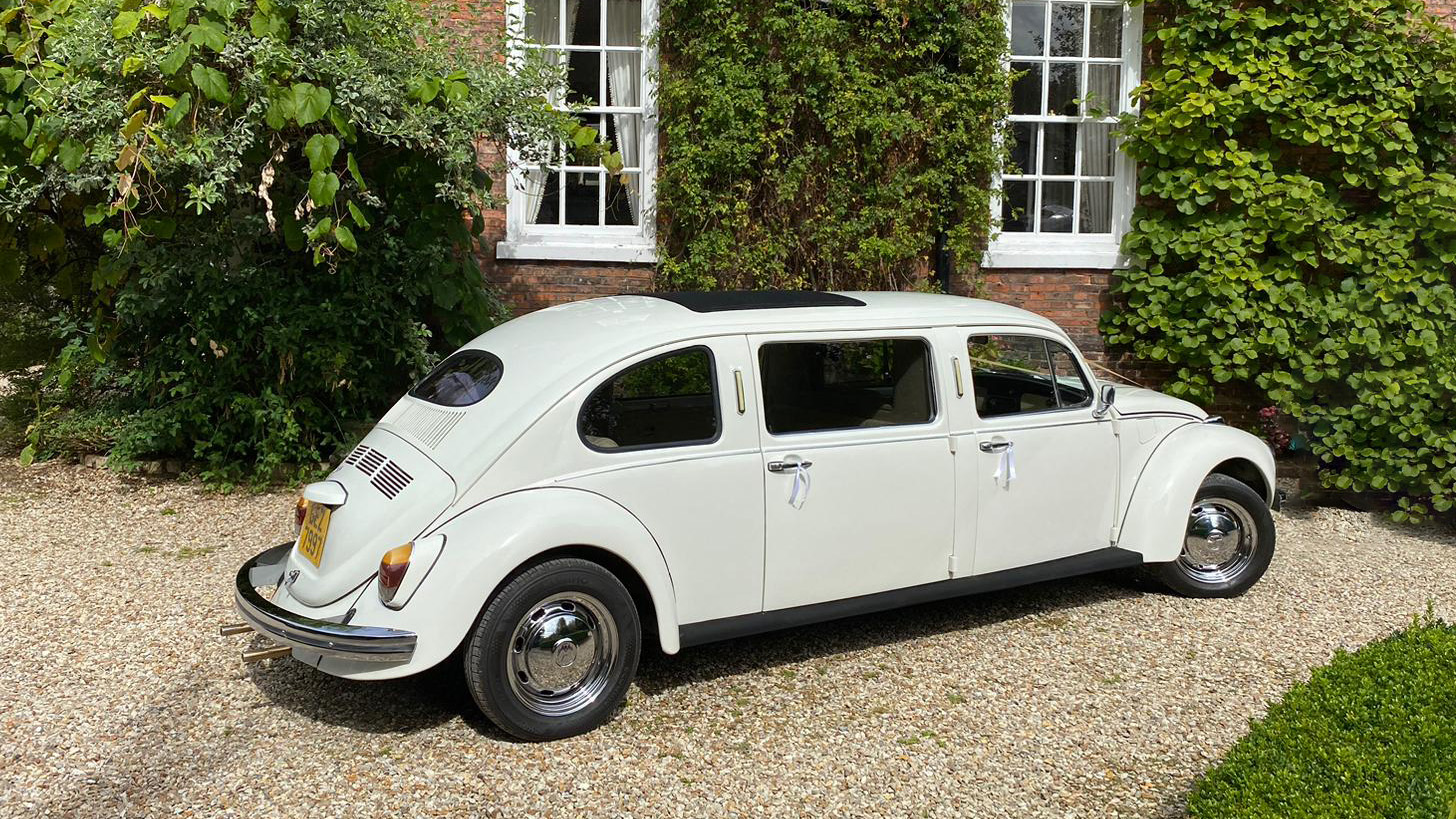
(554, 651)
(1228, 544)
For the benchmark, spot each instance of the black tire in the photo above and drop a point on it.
(514, 658)
(1223, 506)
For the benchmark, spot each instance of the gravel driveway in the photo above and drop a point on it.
(1074, 698)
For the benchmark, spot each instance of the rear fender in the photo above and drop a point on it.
(1157, 512)
(486, 543)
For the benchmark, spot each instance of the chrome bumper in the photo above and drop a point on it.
(351, 642)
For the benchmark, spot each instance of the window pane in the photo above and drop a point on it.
(624, 78)
(1072, 389)
(1104, 90)
(1028, 29)
(1064, 88)
(583, 77)
(1067, 29)
(1026, 92)
(1056, 206)
(548, 207)
(666, 401)
(583, 194)
(1059, 157)
(1098, 149)
(543, 21)
(1010, 375)
(624, 22)
(622, 199)
(1023, 148)
(586, 29)
(462, 379)
(845, 384)
(1096, 207)
(1016, 206)
(624, 134)
(1105, 36)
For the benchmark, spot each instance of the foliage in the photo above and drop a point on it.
(1296, 227)
(1371, 734)
(249, 209)
(825, 144)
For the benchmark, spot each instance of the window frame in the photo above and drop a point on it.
(715, 394)
(1073, 250)
(633, 244)
(932, 387)
(1072, 351)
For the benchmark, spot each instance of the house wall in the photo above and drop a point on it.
(1075, 299)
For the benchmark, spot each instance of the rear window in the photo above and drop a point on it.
(460, 380)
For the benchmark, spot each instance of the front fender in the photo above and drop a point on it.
(1156, 516)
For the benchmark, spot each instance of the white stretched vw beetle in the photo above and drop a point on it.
(698, 466)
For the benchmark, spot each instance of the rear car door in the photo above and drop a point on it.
(859, 491)
(1046, 468)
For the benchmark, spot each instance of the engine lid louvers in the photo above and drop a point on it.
(383, 474)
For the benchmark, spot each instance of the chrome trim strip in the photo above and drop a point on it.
(351, 642)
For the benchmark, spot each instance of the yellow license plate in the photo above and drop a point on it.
(315, 532)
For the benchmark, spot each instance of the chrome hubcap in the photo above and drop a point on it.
(561, 654)
(1220, 541)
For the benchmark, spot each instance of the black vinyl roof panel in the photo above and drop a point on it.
(724, 300)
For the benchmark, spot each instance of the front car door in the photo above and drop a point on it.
(1045, 467)
(860, 478)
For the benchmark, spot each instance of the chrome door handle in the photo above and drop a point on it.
(788, 466)
(995, 446)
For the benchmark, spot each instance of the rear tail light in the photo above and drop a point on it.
(391, 571)
(300, 511)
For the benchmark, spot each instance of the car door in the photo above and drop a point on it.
(1045, 466)
(856, 458)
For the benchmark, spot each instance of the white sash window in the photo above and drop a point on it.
(1067, 196)
(563, 209)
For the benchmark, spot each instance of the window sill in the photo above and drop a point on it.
(559, 251)
(1044, 251)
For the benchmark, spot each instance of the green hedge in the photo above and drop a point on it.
(1371, 734)
(825, 144)
(1296, 226)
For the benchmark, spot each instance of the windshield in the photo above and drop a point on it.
(460, 380)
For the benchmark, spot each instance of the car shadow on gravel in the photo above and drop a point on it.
(659, 673)
(439, 695)
(402, 706)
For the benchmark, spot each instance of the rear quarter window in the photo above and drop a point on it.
(464, 378)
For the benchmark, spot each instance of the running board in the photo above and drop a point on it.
(726, 628)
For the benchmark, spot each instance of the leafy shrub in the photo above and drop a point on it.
(825, 144)
(250, 210)
(1296, 227)
(1371, 734)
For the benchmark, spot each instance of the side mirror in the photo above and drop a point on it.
(1106, 395)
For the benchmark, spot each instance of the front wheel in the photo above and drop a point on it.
(1227, 545)
(554, 651)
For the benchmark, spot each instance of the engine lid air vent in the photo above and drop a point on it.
(383, 474)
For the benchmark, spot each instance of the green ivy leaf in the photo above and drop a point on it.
(71, 154)
(354, 172)
(125, 24)
(358, 215)
(310, 102)
(322, 187)
(172, 63)
(207, 33)
(320, 150)
(178, 111)
(212, 83)
(345, 238)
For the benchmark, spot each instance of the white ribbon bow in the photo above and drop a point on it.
(1006, 466)
(801, 481)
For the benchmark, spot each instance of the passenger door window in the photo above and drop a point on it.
(1013, 375)
(817, 386)
(670, 400)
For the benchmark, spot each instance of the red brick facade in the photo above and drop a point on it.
(1075, 299)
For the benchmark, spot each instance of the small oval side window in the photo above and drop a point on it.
(463, 379)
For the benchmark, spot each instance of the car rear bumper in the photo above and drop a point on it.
(329, 638)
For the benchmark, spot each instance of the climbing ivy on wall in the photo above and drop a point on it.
(1296, 227)
(825, 144)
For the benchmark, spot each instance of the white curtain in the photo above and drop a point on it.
(1099, 158)
(624, 76)
(543, 25)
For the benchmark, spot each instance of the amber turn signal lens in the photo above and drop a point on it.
(300, 511)
(391, 570)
